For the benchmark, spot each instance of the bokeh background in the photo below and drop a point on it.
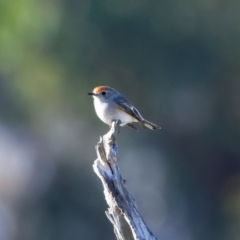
(177, 61)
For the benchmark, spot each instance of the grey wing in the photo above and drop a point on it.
(124, 104)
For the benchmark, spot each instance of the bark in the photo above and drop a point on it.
(122, 211)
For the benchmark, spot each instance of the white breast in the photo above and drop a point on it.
(109, 112)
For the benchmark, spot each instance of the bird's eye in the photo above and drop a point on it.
(104, 93)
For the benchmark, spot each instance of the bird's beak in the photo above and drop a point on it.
(91, 94)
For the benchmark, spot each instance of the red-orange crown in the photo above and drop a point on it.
(100, 88)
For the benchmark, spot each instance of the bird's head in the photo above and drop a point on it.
(103, 92)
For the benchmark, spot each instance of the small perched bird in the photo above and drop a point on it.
(110, 105)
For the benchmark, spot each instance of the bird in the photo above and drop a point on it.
(111, 105)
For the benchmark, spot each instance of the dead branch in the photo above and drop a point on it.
(122, 212)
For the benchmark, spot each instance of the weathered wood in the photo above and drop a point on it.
(122, 212)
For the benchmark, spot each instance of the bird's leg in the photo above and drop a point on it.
(118, 122)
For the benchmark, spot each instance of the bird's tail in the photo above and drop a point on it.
(150, 125)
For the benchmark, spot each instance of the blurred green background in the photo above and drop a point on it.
(177, 61)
